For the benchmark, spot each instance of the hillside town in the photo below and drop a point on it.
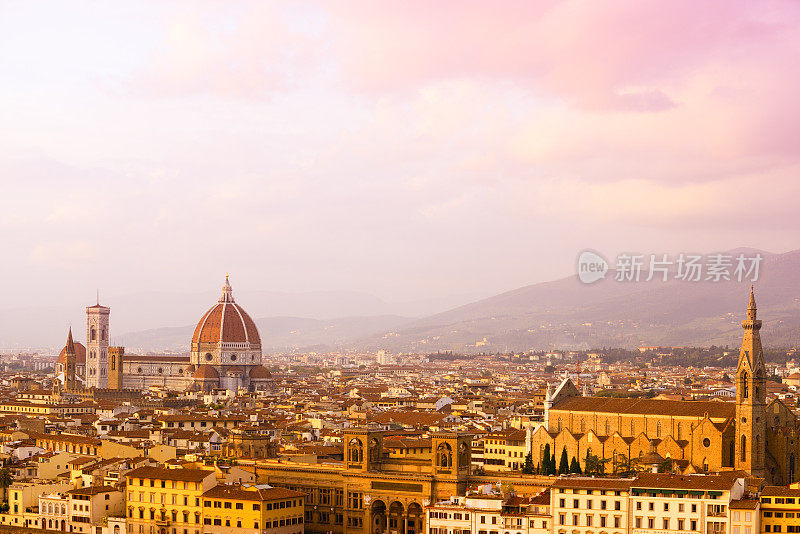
(227, 439)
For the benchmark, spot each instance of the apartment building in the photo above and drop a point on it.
(684, 503)
(87, 507)
(489, 511)
(240, 509)
(583, 505)
(504, 450)
(167, 498)
(780, 509)
(745, 516)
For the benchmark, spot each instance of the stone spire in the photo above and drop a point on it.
(69, 363)
(70, 343)
(751, 306)
(751, 349)
(227, 291)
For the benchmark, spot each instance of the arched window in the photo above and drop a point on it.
(558, 429)
(633, 428)
(444, 454)
(355, 451)
(583, 426)
(49, 508)
(743, 449)
(658, 429)
(705, 465)
(745, 386)
(607, 428)
(94, 334)
(791, 467)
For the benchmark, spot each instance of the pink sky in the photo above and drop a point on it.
(404, 149)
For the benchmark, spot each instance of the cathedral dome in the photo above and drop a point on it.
(226, 322)
(80, 355)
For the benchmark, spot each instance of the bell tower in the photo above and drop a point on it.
(97, 346)
(751, 397)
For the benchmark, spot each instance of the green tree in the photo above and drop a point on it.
(528, 467)
(595, 467)
(546, 460)
(574, 466)
(6, 479)
(563, 464)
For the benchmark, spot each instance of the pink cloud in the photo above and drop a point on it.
(248, 53)
(594, 55)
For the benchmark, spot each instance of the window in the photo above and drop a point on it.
(666, 507)
(588, 520)
(256, 506)
(651, 523)
(638, 522)
(239, 506)
(693, 524)
(617, 505)
(666, 523)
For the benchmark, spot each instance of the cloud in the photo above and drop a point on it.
(70, 255)
(249, 52)
(587, 53)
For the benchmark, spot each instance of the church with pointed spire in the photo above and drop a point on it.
(749, 434)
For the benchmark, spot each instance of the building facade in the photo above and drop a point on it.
(694, 436)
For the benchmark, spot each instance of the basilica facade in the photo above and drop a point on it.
(695, 436)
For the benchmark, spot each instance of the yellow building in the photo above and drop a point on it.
(504, 450)
(780, 509)
(238, 509)
(166, 499)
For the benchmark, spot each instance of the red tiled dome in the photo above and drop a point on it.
(80, 354)
(206, 372)
(226, 322)
(259, 372)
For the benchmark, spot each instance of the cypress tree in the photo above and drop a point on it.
(574, 466)
(563, 464)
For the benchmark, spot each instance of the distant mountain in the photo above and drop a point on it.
(560, 314)
(165, 312)
(278, 334)
(569, 314)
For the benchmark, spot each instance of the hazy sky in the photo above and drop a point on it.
(400, 148)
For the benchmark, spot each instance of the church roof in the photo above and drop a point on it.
(714, 409)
